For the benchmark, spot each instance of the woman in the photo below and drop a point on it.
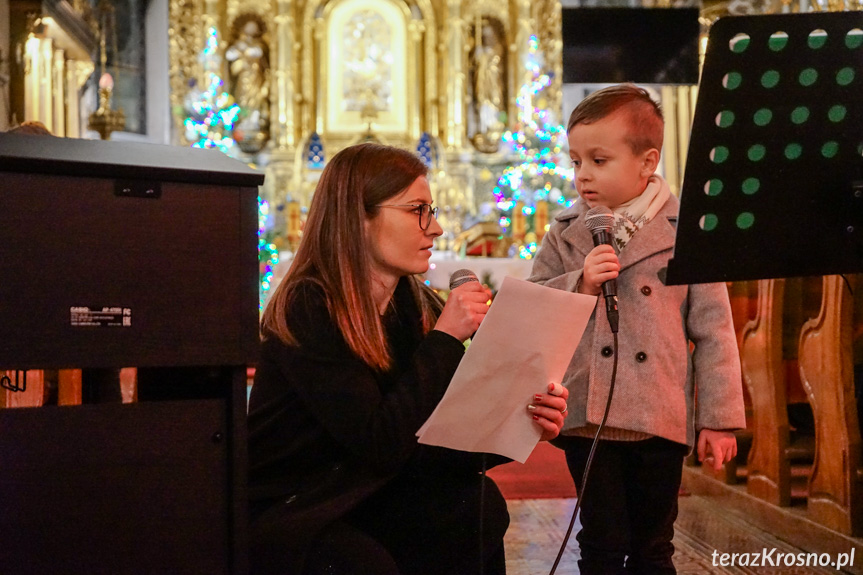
(356, 354)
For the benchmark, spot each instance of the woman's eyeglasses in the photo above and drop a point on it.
(425, 211)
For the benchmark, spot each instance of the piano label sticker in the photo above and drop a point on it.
(104, 316)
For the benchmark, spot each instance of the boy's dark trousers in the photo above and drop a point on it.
(630, 503)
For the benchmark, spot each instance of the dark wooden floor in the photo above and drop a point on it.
(705, 525)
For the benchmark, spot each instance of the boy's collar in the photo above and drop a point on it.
(650, 240)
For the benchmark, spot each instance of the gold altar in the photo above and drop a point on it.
(395, 71)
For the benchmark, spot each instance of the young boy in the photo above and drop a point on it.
(630, 502)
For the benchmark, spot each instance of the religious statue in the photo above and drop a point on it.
(248, 62)
(488, 86)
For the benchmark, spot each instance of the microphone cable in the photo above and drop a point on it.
(580, 492)
(481, 515)
(458, 278)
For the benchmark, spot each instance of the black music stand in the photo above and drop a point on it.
(774, 176)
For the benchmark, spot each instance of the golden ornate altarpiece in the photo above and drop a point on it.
(389, 70)
(330, 73)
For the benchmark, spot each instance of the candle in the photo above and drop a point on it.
(106, 82)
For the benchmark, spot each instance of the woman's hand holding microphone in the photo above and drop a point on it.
(464, 310)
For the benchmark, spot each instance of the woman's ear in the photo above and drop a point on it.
(650, 162)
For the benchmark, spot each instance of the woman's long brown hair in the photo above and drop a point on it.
(333, 252)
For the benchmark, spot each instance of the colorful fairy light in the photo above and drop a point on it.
(211, 112)
(544, 172)
(211, 115)
(268, 254)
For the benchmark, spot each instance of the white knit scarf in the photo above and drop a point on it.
(631, 216)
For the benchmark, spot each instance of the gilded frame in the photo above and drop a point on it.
(336, 119)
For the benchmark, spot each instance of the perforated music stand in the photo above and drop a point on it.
(774, 176)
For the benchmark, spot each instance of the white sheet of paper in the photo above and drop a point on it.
(524, 343)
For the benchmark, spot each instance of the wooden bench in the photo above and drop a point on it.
(768, 469)
(826, 370)
(69, 387)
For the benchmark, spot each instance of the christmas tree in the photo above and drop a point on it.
(211, 112)
(528, 194)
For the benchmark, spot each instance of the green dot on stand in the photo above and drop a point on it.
(817, 39)
(770, 78)
(800, 114)
(732, 80)
(793, 151)
(750, 186)
(854, 38)
(836, 113)
(845, 76)
(739, 43)
(756, 153)
(830, 149)
(778, 41)
(708, 222)
(763, 116)
(808, 77)
(719, 154)
(725, 118)
(713, 187)
(745, 220)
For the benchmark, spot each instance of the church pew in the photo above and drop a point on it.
(826, 370)
(768, 468)
(33, 393)
(69, 387)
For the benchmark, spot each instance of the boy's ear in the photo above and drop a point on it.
(650, 162)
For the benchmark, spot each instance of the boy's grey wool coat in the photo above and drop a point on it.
(664, 386)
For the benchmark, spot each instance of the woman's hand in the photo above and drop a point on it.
(600, 266)
(464, 310)
(549, 410)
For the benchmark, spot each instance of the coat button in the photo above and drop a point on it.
(607, 351)
(640, 357)
(646, 290)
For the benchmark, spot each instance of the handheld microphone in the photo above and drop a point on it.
(599, 221)
(460, 277)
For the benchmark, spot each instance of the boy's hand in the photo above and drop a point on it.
(600, 265)
(721, 446)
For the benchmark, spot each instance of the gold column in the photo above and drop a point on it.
(77, 73)
(285, 129)
(280, 174)
(547, 15)
(430, 58)
(685, 113)
(211, 16)
(319, 81)
(414, 63)
(670, 149)
(678, 105)
(455, 75)
(186, 39)
(524, 28)
(38, 80)
(58, 93)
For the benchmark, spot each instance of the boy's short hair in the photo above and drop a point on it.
(31, 128)
(645, 116)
